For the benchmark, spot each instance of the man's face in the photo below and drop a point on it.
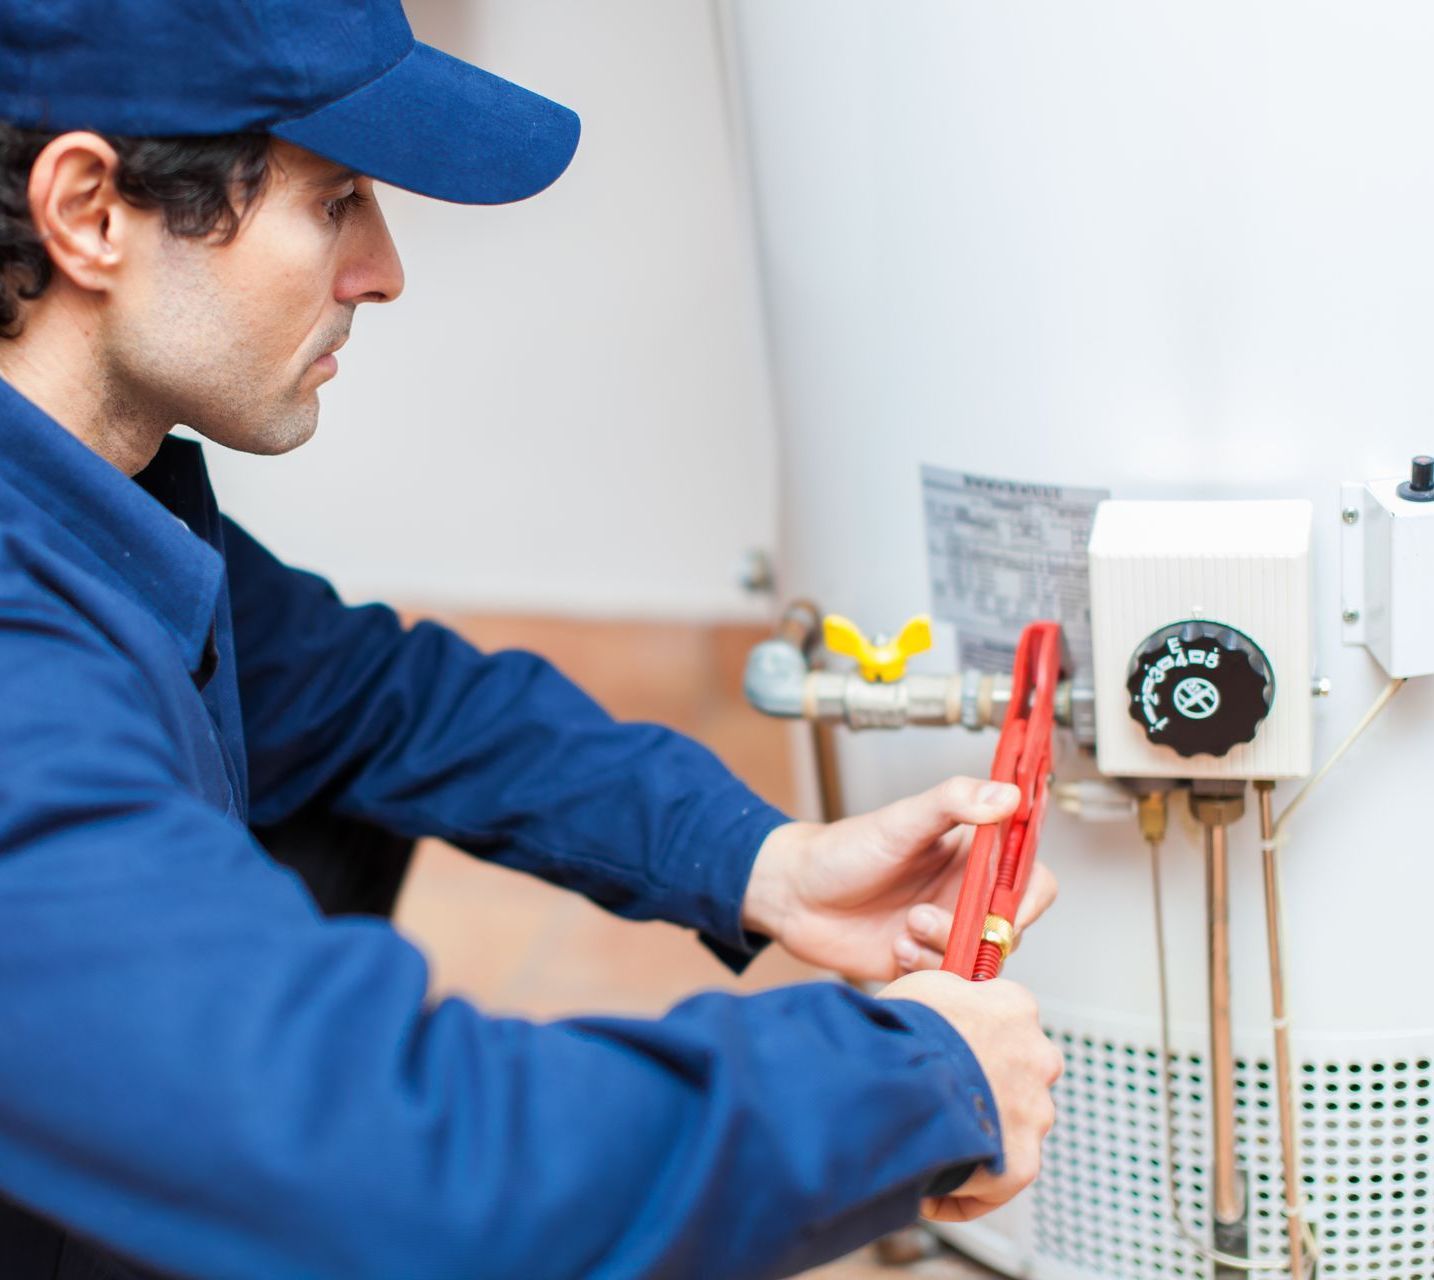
(234, 340)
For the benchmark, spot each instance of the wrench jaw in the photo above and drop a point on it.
(1002, 855)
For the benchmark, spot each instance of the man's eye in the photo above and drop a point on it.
(339, 209)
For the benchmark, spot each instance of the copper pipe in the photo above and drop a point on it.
(1152, 811)
(801, 625)
(829, 790)
(1284, 1086)
(1229, 1206)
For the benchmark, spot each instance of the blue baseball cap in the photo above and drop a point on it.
(344, 78)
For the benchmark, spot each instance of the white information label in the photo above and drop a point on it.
(1004, 553)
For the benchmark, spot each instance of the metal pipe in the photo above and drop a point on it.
(801, 626)
(785, 677)
(1228, 1201)
(974, 700)
(1284, 1086)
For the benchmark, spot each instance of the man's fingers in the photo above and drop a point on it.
(984, 1186)
(1040, 893)
(954, 1208)
(930, 925)
(979, 1195)
(955, 845)
(984, 1190)
(920, 819)
(923, 945)
(912, 955)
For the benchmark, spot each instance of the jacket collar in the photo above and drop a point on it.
(153, 556)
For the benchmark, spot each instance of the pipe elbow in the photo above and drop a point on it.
(775, 678)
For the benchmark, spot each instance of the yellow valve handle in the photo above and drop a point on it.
(883, 662)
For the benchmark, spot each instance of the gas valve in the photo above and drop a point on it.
(782, 680)
(1200, 688)
(880, 661)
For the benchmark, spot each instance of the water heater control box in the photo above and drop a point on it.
(1388, 565)
(1202, 634)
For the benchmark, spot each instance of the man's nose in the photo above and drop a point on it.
(371, 271)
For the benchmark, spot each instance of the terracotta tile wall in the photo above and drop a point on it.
(518, 945)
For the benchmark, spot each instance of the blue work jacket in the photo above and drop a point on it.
(202, 1075)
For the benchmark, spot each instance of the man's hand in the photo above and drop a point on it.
(999, 1023)
(872, 896)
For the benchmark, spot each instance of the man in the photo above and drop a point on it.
(200, 1075)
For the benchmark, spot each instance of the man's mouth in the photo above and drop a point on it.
(326, 362)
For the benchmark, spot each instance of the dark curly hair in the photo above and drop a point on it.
(203, 185)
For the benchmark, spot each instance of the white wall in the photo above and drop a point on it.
(567, 410)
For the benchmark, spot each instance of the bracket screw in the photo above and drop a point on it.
(1350, 615)
(1350, 515)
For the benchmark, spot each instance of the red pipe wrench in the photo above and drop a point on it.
(1002, 854)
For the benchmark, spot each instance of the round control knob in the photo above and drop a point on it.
(1420, 485)
(1200, 688)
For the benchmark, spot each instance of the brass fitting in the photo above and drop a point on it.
(1218, 805)
(1152, 811)
(999, 931)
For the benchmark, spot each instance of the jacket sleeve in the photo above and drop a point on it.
(204, 1075)
(418, 731)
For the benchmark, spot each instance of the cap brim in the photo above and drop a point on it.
(440, 127)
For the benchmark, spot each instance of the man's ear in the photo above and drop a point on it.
(77, 210)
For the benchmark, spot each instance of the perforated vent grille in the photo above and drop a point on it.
(1100, 1201)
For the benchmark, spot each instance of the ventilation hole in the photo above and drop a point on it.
(1100, 1203)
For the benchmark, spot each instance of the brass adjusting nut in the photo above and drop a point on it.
(1001, 932)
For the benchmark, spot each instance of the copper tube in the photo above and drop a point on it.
(1229, 1203)
(829, 790)
(1284, 1087)
(801, 625)
(1152, 826)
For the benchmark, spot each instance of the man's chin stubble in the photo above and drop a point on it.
(280, 432)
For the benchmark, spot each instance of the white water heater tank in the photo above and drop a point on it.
(1053, 253)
